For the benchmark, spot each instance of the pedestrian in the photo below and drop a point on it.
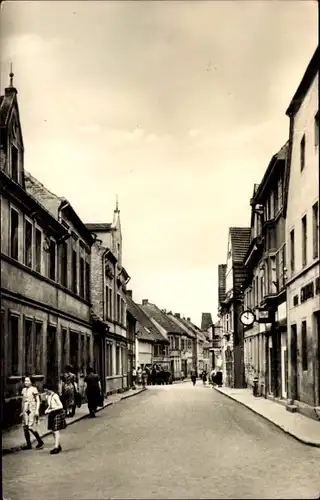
(93, 391)
(69, 395)
(134, 377)
(139, 376)
(212, 376)
(154, 375)
(204, 377)
(193, 376)
(56, 416)
(144, 377)
(30, 413)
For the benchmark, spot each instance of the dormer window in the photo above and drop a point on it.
(14, 163)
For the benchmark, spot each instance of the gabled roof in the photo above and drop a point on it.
(99, 226)
(280, 156)
(187, 329)
(162, 318)
(307, 79)
(54, 204)
(240, 240)
(146, 330)
(8, 101)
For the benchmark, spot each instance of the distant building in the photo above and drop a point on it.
(109, 280)
(264, 290)
(301, 206)
(188, 343)
(152, 347)
(45, 269)
(231, 306)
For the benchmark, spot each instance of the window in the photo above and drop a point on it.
(176, 343)
(182, 344)
(88, 355)
(64, 264)
(74, 271)
(292, 256)
(28, 347)
(14, 344)
(81, 278)
(28, 243)
(63, 348)
(280, 193)
(118, 308)
(38, 250)
(38, 348)
(14, 234)
(109, 360)
(315, 230)
(82, 353)
(262, 287)
(52, 260)
(316, 130)
(304, 240)
(14, 164)
(118, 360)
(304, 346)
(88, 281)
(302, 152)
(110, 304)
(189, 344)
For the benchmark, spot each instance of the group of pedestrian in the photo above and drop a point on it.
(60, 404)
(147, 375)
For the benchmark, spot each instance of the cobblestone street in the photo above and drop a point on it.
(174, 441)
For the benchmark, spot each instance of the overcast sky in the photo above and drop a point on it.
(177, 107)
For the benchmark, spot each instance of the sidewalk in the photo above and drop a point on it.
(13, 438)
(302, 428)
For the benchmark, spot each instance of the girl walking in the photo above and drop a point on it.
(56, 416)
(30, 413)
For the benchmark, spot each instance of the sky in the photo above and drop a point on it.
(176, 107)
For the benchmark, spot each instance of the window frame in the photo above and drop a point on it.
(35, 264)
(53, 244)
(17, 316)
(17, 212)
(315, 230)
(40, 345)
(292, 250)
(304, 240)
(28, 345)
(304, 345)
(302, 152)
(26, 221)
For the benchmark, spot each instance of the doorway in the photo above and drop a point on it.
(52, 365)
(294, 363)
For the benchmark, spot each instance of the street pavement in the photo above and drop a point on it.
(169, 442)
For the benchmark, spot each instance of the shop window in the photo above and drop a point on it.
(38, 348)
(63, 348)
(304, 346)
(28, 346)
(118, 360)
(14, 344)
(87, 281)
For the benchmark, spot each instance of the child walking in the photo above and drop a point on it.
(56, 416)
(30, 413)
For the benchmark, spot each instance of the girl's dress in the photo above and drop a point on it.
(29, 398)
(56, 418)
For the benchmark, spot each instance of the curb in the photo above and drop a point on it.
(301, 440)
(77, 419)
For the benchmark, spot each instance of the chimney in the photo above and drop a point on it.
(177, 315)
(129, 293)
(164, 311)
(144, 302)
(188, 319)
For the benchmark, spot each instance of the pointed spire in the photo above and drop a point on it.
(11, 75)
(117, 204)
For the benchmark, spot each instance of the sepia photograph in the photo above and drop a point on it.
(160, 249)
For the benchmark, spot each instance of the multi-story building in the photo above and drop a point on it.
(172, 331)
(301, 202)
(152, 347)
(108, 295)
(207, 330)
(187, 343)
(131, 340)
(231, 306)
(45, 268)
(264, 290)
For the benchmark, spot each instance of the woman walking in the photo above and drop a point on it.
(204, 377)
(193, 376)
(30, 413)
(56, 416)
(69, 392)
(93, 391)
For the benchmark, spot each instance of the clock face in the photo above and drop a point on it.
(247, 318)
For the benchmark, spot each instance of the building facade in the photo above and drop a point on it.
(302, 234)
(264, 290)
(45, 264)
(152, 347)
(109, 280)
(231, 307)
